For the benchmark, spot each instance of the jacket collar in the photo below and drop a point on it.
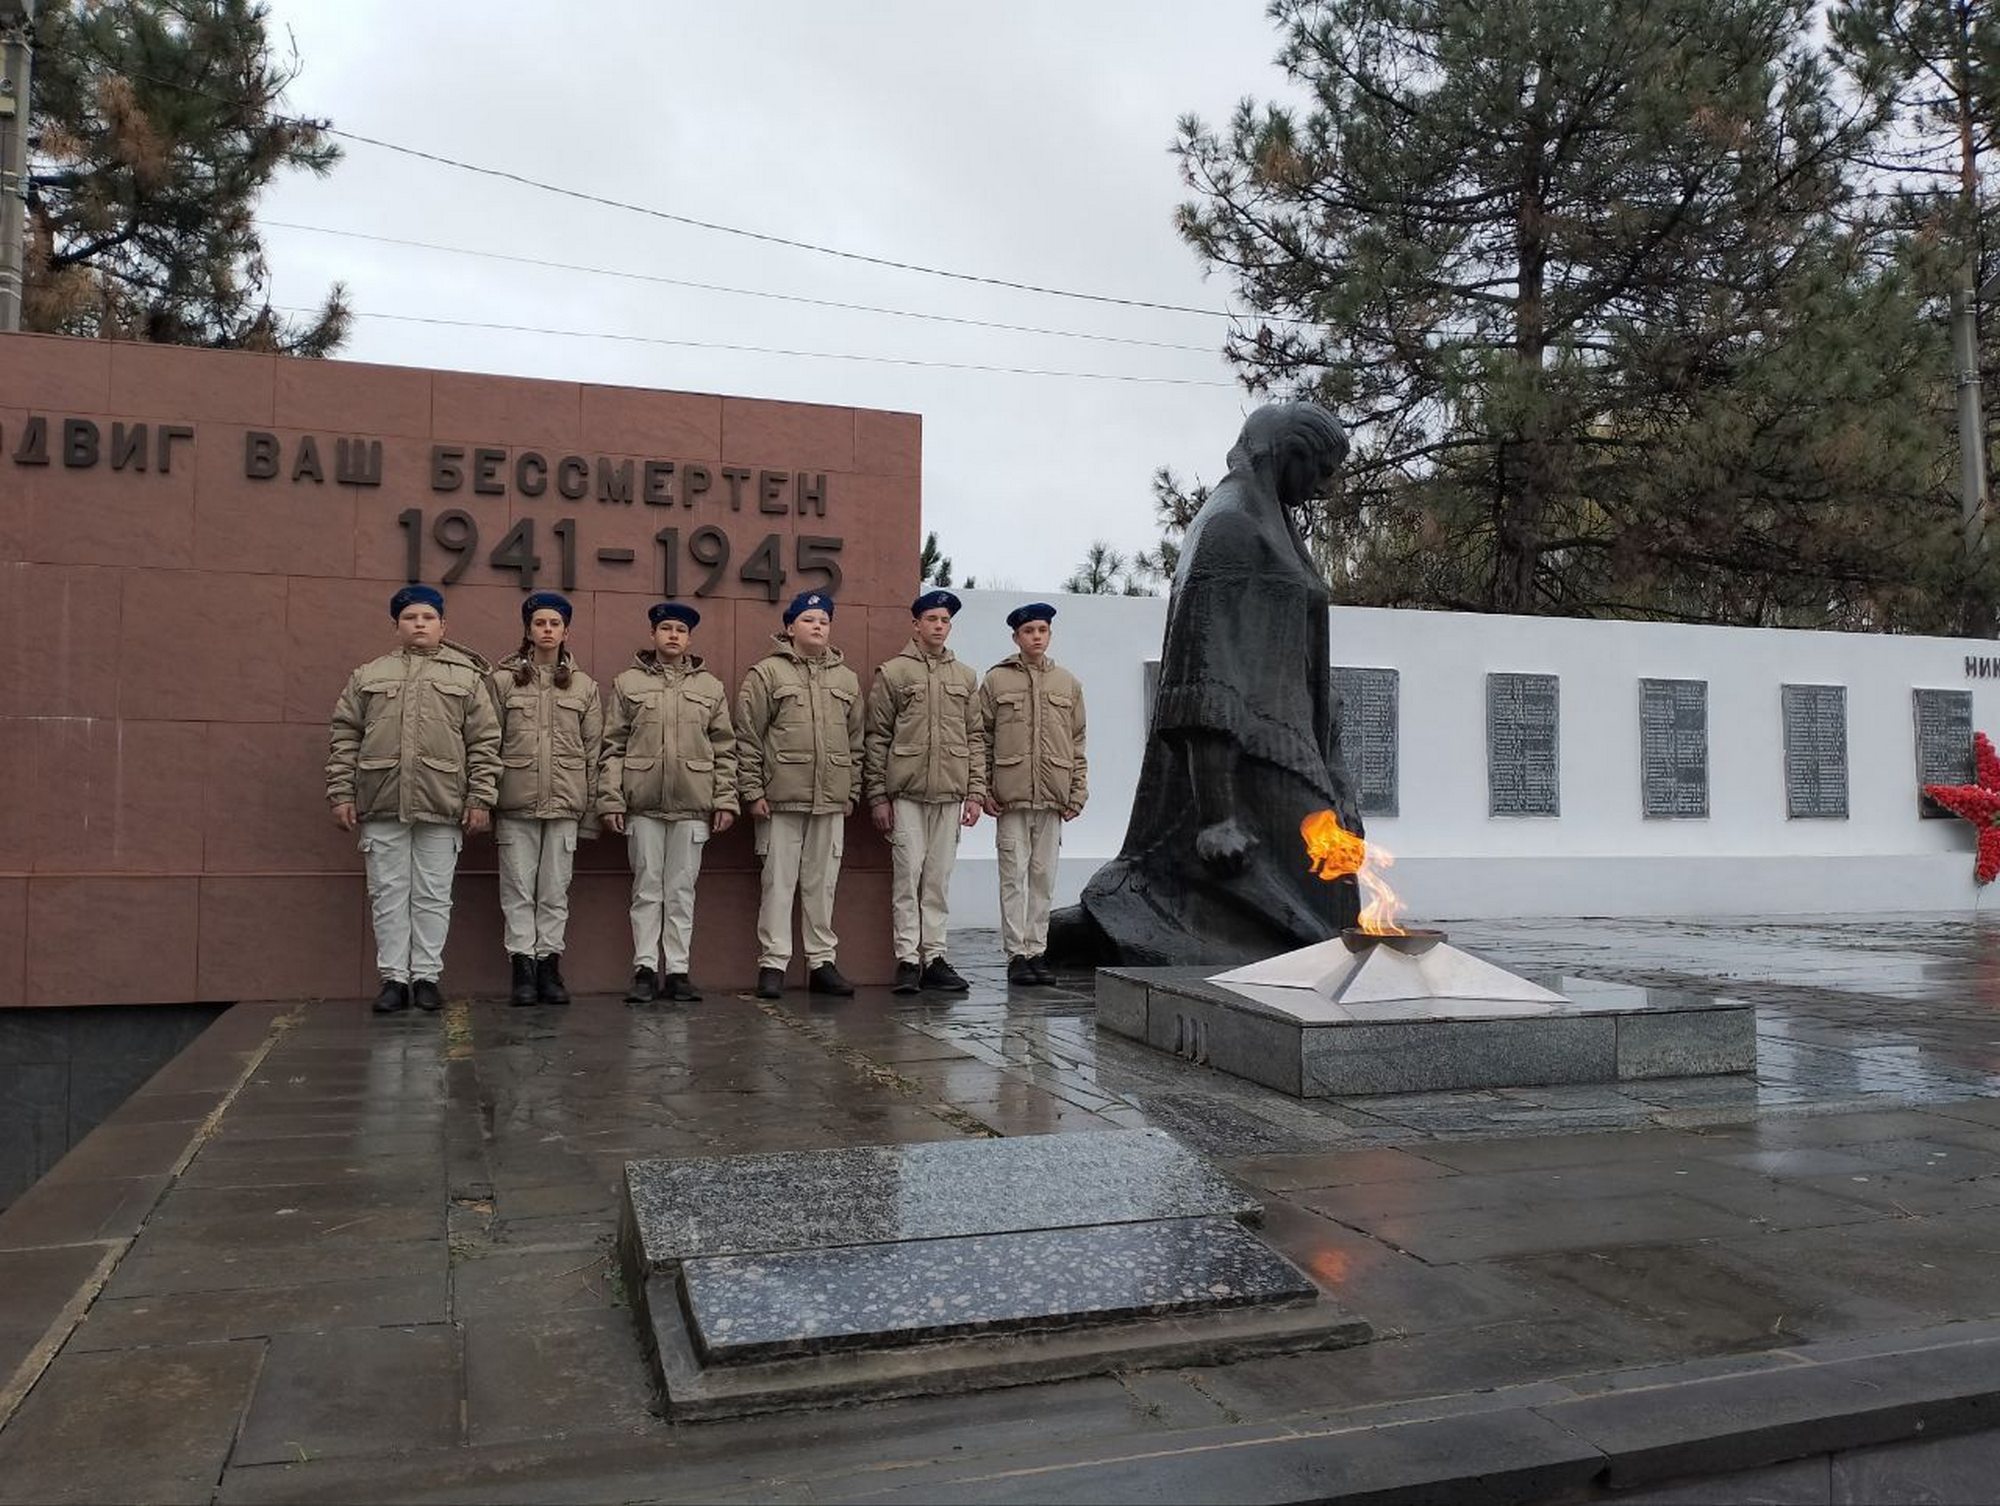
(914, 650)
(648, 660)
(782, 646)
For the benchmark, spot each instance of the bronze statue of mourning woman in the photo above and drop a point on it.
(1245, 734)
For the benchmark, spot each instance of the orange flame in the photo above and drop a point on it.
(1333, 852)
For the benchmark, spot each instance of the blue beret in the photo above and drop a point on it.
(1034, 611)
(546, 601)
(412, 596)
(673, 611)
(808, 601)
(931, 600)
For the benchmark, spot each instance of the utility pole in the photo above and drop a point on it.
(1965, 342)
(17, 41)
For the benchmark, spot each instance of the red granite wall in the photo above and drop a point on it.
(177, 626)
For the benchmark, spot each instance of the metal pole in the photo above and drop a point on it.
(17, 22)
(1971, 422)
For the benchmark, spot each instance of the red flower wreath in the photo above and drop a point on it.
(1979, 803)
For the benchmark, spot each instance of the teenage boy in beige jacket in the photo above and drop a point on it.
(925, 780)
(798, 725)
(668, 782)
(1032, 728)
(414, 762)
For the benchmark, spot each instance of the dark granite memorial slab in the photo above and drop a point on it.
(1815, 727)
(1944, 743)
(1291, 1040)
(758, 1307)
(1673, 749)
(807, 1200)
(1523, 740)
(1370, 723)
(776, 1281)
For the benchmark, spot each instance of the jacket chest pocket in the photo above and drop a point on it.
(521, 733)
(1010, 727)
(382, 720)
(696, 710)
(791, 723)
(444, 724)
(567, 732)
(953, 708)
(1058, 745)
(649, 725)
(839, 706)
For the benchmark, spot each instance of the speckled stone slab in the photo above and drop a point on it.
(758, 1307)
(817, 1200)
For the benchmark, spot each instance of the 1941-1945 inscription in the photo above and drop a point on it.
(690, 556)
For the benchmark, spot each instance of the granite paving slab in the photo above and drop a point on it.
(818, 1199)
(804, 1301)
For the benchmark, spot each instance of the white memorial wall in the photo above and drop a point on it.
(1772, 841)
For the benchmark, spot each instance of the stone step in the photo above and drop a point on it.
(815, 1200)
(745, 1308)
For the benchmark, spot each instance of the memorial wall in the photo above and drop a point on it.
(1536, 766)
(197, 546)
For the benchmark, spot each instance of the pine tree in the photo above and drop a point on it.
(1576, 277)
(156, 126)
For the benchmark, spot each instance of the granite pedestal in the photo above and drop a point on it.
(813, 1277)
(1586, 1031)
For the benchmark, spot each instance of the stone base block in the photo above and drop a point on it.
(769, 1282)
(1597, 1032)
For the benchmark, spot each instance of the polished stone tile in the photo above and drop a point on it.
(754, 1307)
(816, 1199)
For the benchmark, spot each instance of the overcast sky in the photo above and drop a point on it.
(1026, 142)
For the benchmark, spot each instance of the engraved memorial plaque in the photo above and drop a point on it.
(1944, 743)
(1673, 748)
(1815, 723)
(1369, 711)
(1522, 716)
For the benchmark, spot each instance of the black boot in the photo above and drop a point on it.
(1021, 971)
(394, 998)
(524, 979)
(909, 978)
(549, 987)
(1041, 967)
(645, 986)
(424, 994)
(680, 989)
(770, 983)
(941, 977)
(826, 979)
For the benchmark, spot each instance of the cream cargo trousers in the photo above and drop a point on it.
(803, 856)
(924, 843)
(536, 858)
(410, 869)
(1027, 844)
(666, 861)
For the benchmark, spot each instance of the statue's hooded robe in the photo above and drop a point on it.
(1245, 661)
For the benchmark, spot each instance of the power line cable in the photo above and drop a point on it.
(767, 350)
(710, 287)
(717, 227)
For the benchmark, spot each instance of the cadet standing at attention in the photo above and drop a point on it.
(1031, 721)
(668, 782)
(551, 732)
(414, 762)
(798, 724)
(924, 781)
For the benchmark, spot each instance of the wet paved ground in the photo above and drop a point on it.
(377, 1265)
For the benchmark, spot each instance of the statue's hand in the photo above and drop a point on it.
(1223, 846)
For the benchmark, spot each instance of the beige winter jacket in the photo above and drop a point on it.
(923, 733)
(550, 741)
(798, 724)
(415, 738)
(669, 746)
(1031, 724)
